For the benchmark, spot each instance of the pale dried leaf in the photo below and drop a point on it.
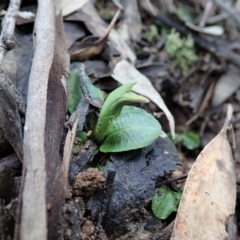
(67, 7)
(226, 86)
(124, 72)
(130, 27)
(26, 14)
(167, 5)
(208, 200)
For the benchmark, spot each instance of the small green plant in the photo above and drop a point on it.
(122, 128)
(165, 201)
(184, 14)
(182, 51)
(152, 33)
(188, 139)
(119, 128)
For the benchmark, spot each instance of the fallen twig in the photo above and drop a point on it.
(11, 100)
(33, 212)
(7, 39)
(226, 7)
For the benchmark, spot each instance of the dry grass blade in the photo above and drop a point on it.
(208, 202)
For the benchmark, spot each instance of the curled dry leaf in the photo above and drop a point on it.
(124, 72)
(98, 28)
(91, 46)
(208, 201)
(226, 85)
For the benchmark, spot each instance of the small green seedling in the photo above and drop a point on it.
(122, 128)
(184, 14)
(152, 33)
(165, 201)
(188, 139)
(181, 50)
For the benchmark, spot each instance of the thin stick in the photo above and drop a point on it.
(226, 7)
(67, 153)
(206, 13)
(172, 179)
(7, 39)
(33, 222)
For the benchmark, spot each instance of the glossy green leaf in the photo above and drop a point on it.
(118, 98)
(134, 128)
(101, 128)
(190, 140)
(164, 202)
(74, 92)
(112, 107)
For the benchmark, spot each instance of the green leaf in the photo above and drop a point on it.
(94, 92)
(134, 128)
(165, 30)
(184, 14)
(118, 98)
(83, 136)
(164, 202)
(112, 107)
(152, 33)
(190, 140)
(74, 92)
(100, 167)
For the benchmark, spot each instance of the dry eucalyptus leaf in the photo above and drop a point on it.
(124, 72)
(208, 201)
(130, 26)
(67, 7)
(91, 46)
(98, 28)
(226, 86)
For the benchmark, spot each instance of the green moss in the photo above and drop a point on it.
(181, 50)
(152, 33)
